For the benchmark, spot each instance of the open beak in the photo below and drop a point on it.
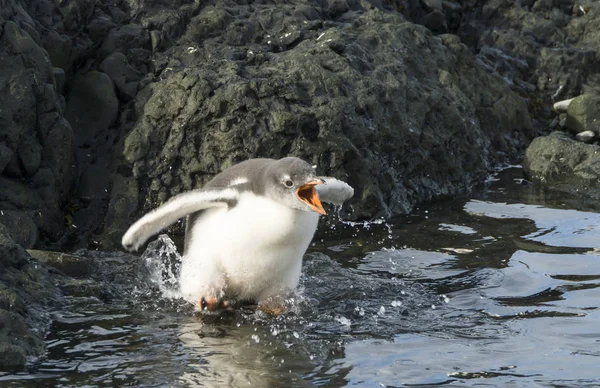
(307, 194)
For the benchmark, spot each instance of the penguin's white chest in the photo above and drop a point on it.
(251, 251)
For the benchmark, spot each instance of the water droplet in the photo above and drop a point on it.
(256, 338)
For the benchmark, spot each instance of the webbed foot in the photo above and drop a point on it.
(212, 304)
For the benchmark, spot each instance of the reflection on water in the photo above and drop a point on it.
(498, 289)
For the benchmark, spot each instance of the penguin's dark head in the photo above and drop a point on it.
(291, 182)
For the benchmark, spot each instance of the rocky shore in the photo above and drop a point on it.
(108, 108)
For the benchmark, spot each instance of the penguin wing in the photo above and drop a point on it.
(175, 208)
(334, 190)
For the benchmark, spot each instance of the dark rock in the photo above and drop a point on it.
(436, 21)
(17, 195)
(99, 28)
(58, 151)
(83, 288)
(541, 5)
(30, 154)
(70, 265)
(6, 154)
(583, 114)
(343, 98)
(92, 106)
(558, 162)
(211, 332)
(126, 38)
(60, 49)
(433, 5)
(123, 203)
(26, 292)
(36, 154)
(11, 356)
(60, 79)
(160, 97)
(210, 21)
(21, 226)
(11, 254)
(562, 122)
(555, 40)
(122, 74)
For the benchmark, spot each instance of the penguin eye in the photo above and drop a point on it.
(288, 183)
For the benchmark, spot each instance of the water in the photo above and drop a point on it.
(501, 288)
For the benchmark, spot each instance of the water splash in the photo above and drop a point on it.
(160, 266)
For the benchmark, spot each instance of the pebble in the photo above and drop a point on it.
(586, 136)
(561, 106)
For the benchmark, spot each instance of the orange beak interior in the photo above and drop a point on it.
(307, 194)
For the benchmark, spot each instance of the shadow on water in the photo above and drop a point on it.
(497, 289)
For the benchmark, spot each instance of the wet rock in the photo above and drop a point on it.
(26, 292)
(70, 265)
(11, 356)
(583, 114)
(558, 162)
(83, 288)
(211, 332)
(16, 342)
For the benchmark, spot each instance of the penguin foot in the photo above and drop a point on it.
(212, 304)
(273, 310)
(273, 306)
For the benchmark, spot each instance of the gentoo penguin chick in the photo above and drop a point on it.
(246, 231)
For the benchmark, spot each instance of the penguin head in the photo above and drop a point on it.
(291, 182)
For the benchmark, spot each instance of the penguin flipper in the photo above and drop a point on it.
(175, 208)
(334, 191)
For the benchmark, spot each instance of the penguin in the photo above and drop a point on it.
(246, 231)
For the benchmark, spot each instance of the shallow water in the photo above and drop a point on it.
(500, 288)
